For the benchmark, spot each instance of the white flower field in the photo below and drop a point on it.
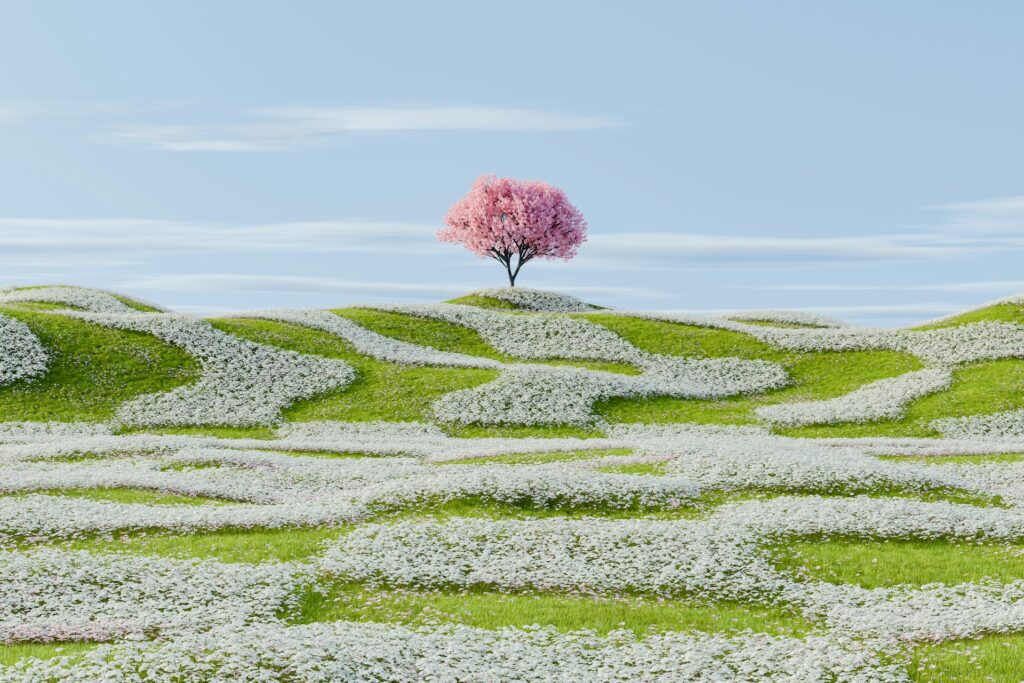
(512, 486)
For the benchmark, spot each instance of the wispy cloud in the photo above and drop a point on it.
(132, 235)
(683, 250)
(999, 214)
(278, 128)
(989, 286)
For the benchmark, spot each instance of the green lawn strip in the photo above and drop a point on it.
(491, 610)
(678, 339)
(876, 564)
(539, 458)
(977, 389)
(997, 658)
(226, 545)
(474, 431)
(12, 653)
(124, 495)
(137, 305)
(814, 376)
(41, 306)
(446, 336)
(483, 302)
(292, 543)
(93, 370)
(652, 468)
(381, 391)
(1008, 313)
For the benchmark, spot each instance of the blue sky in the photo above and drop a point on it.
(862, 159)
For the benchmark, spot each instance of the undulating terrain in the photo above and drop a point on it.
(514, 485)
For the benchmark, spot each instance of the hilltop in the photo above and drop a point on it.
(475, 366)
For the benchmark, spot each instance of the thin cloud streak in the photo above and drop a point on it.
(129, 235)
(281, 128)
(990, 286)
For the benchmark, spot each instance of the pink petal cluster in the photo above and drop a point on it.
(513, 221)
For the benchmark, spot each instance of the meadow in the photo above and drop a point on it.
(513, 485)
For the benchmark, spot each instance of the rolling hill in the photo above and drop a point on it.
(513, 485)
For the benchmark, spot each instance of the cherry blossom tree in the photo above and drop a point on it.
(515, 221)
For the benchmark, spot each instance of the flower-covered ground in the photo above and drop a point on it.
(515, 485)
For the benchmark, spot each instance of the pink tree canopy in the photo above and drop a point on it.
(513, 221)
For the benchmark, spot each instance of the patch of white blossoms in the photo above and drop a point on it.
(371, 343)
(535, 299)
(22, 355)
(93, 300)
(529, 394)
(386, 653)
(884, 399)
(58, 595)
(1008, 423)
(540, 394)
(242, 383)
(801, 318)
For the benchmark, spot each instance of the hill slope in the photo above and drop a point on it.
(309, 485)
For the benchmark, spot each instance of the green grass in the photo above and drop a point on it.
(521, 431)
(482, 609)
(14, 653)
(1009, 313)
(227, 545)
(992, 659)
(122, 495)
(876, 564)
(977, 389)
(93, 370)
(651, 468)
(483, 302)
(677, 339)
(381, 391)
(540, 458)
(814, 376)
(446, 336)
(437, 334)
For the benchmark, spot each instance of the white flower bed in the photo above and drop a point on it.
(385, 653)
(22, 356)
(535, 299)
(281, 490)
(532, 395)
(28, 432)
(372, 344)
(993, 425)
(243, 384)
(947, 346)
(57, 595)
(587, 555)
(540, 337)
(904, 613)
(93, 300)
(884, 399)
(776, 464)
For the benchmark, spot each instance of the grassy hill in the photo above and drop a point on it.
(505, 409)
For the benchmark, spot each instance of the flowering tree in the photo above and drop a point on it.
(514, 221)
